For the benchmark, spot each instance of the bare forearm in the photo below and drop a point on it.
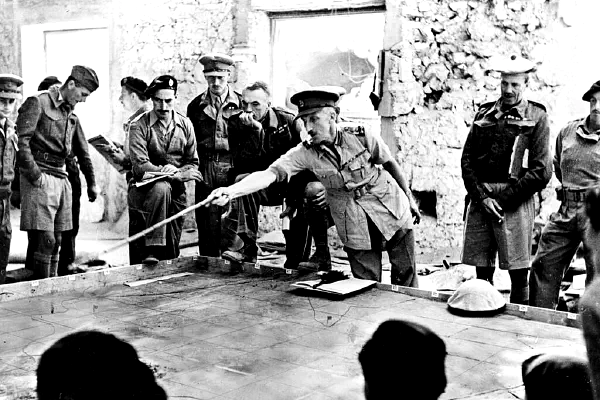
(252, 183)
(394, 169)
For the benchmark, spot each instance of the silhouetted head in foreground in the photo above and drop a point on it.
(403, 360)
(556, 376)
(92, 365)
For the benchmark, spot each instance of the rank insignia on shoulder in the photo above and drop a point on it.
(353, 129)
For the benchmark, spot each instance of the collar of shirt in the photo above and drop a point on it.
(222, 98)
(207, 98)
(269, 120)
(3, 126)
(136, 114)
(175, 121)
(56, 97)
(518, 110)
(584, 133)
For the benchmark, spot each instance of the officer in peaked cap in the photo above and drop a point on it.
(49, 132)
(313, 99)
(506, 160)
(216, 64)
(369, 204)
(210, 113)
(10, 86)
(577, 168)
(10, 92)
(160, 140)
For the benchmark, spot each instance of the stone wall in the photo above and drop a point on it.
(437, 59)
(437, 75)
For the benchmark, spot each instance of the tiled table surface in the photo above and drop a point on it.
(217, 337)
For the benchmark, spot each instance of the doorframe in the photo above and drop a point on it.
(32, 47)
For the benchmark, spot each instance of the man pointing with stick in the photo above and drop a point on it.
(372, 207)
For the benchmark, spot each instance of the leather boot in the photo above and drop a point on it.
(318, 221)
(42, 263)
(319, 261)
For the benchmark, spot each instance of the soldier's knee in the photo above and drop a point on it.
(46, 241)
(313, 189)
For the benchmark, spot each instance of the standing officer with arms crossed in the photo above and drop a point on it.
(505, 161)
(371, 206)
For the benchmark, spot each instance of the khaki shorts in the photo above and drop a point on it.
(484, 238)
(47, 205)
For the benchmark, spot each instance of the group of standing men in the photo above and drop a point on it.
(240, 149)
(505, 162)
(339, 173)
(44, 143)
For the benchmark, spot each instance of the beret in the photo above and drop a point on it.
(216, 64)
(512, 65)
(311, 100)
(10, 86)
(47, 82)
(161, 82)
(588, 95)
(557, 375)
(134, 84)
(86, 77)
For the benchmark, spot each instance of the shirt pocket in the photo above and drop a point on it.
(330, 178)
(178, 142)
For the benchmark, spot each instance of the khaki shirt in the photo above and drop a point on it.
(358, 166)
(152, 146)
(8, 150)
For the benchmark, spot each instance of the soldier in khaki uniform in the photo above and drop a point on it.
(372, 207)
(48, 131)
(10, 92)
(505, 161)
(209, 113)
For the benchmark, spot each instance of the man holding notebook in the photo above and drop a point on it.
(161, 142)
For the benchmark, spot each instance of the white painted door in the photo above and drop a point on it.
(52, 49)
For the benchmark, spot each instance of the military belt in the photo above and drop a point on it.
(49, 159)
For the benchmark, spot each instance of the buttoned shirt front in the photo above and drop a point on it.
(45, 125)
(152, 145)
(210, 123)
(577, 156)
(353, 162)
(8, 150)
(507, 146)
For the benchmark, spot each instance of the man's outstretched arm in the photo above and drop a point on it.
(250, 184)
